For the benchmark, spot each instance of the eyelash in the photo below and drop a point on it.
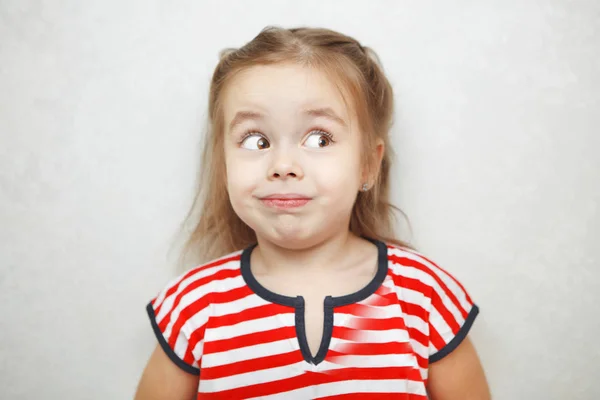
(252, 132)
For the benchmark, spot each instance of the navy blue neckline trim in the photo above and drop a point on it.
(328, 304)
(366, 291)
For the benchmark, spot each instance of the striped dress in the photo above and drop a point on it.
(246, 342)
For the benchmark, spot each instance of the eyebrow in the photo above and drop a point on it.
(325, 112)
(242, 116)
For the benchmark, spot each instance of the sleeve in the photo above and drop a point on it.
(451, 314)
(178, 318)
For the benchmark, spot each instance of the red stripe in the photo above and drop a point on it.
(193, 271)
(418, 336)
(436, 339)
(273, 335)
(369, 349)
(357, 335)
(249, 314)
(347, 374)
(446, 315)
(450, 276)
(428, 291)
(230, 295)
(416, 310)
(422, 361)
(219, 275)
(314, 378)
(415, 264)
(361, 310)
(376, 324)
(199, 305)
(255, 364)
(374, 396)
(404, 282)
(189, 355)
(381, 298)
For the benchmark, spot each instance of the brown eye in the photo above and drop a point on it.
(255, 142)
(323, 141)
(262, 143)
(318, 139)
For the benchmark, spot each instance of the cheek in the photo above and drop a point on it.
(338, 179)
(242, 176)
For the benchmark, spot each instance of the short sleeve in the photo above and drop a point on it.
(178, 318)
(451, 314)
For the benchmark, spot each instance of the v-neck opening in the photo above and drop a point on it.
(329, 302)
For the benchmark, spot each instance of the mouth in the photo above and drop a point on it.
(285, 201)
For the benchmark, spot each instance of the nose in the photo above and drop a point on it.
(284, 166)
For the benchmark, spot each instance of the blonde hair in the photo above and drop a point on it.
(216, 228)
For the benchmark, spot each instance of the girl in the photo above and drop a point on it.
(307, 294)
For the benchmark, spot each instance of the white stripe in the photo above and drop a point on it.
(197, 351)
(415, 273)
(440, 325)
(181, 345)
(448, 280)
(197, 275)
(375, 312)
(420, 349)
(413, 321)
(417, 323)
(250, 352)
(377, 361)
(251, 326)
(327, 365)
(199, 291)
(252, 378)
(392, 335)
(432, 349)
(383, 336)
(238, 306)
(220, 286)
(355, 386)
(411, 296)
(161, 296)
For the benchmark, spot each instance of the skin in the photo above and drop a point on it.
(294, 162)
(288, 130)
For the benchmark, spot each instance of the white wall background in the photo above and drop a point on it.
(101, 108)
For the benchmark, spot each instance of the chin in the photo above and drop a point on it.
(288, 237)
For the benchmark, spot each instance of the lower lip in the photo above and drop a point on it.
(285, 203)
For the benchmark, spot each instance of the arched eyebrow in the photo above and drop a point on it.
(326, 112)
(242, 116)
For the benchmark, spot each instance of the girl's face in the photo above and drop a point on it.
(292, 153)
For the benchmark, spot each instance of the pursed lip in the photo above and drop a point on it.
(285, 201)
(285, 196)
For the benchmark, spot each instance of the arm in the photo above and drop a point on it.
(163, 380)
(458, 376)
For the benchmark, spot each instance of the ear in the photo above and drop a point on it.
(380, 151)
(370, 174)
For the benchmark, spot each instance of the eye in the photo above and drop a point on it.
(255, 142)
(318, 139)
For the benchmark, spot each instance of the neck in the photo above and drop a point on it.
(273, 258)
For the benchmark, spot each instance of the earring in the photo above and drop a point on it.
(365, 187)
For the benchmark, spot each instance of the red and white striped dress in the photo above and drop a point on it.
(246, 342)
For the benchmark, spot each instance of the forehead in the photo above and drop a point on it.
(282, 88)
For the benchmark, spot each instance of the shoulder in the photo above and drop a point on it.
(180, 311)
(413, 270)
(197, 282)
